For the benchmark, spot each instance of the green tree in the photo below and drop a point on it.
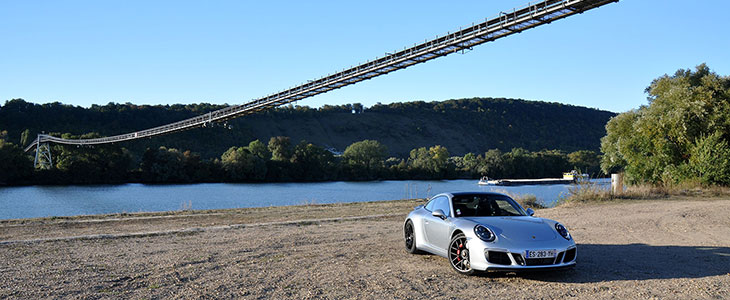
(432, 161)
(492, 164)
(258, 148)
(280, 147)
(313, 162)
(242, 165)
(25, 138)
(710, 160)
(468, 164)
(91, 164)
(585, 160)
(365, 158)
(163, 165)
(657, 142)
(14, 164)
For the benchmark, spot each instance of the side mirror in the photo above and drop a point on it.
(530, 212)
(439, 213)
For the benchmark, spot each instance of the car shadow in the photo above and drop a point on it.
(597, 263)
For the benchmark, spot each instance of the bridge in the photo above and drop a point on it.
(502, 25)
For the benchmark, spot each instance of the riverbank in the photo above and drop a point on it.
(671, 248)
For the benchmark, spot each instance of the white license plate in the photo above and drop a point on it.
(540, 253)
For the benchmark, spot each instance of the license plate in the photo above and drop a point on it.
(540, 253)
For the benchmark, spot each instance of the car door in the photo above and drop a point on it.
(437, 230)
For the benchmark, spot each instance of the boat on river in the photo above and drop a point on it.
(574, 175)
(512, 182)
(486, 181)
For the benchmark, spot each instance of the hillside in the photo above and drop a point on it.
(462, 126)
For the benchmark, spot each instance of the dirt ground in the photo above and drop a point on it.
(666, 249)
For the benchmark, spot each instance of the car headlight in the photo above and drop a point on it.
(484, 233)
(562, 231)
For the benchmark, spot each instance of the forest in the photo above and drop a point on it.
(281, 160)
(465, 138)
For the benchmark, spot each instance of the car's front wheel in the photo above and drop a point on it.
(459, 255)
(410, 237)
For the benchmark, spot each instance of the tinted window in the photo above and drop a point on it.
(485, 206)
(442, 203)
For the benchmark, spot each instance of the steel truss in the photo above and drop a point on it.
(43, 157)
(506, 23)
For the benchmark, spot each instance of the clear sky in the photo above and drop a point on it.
(166, 52)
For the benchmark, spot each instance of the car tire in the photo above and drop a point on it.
(409, 232)
(459, 255)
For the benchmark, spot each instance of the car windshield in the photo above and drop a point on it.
(485, 206)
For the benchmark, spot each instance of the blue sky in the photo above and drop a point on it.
(166, 52)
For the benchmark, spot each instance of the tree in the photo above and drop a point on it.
(358, 108)
(163, 165)
(258, 148)
(432, 161)
(25, 138)
(663, 141)
(492, 164)
(585, 160)
(313, 162)
(280, 148)
(242, 165)
(14, 164)
(710, 160)
(365, 158)
(467, 164)
(91, 164)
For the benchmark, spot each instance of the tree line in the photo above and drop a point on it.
(280, 160)
(461, 125)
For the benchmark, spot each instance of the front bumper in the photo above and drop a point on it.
(486, 258)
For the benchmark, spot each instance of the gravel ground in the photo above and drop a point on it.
(664, 249)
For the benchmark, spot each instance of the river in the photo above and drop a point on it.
(47, 201)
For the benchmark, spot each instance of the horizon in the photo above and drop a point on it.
(311, 107)
(83, 52)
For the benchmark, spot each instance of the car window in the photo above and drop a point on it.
(507, 208)
(442, 203)
(429, 205)
(481, 205)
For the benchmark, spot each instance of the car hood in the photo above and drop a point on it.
(521, 228)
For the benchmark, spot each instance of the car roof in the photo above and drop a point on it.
(453, 194)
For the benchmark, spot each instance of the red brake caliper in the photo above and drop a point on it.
(458, 252)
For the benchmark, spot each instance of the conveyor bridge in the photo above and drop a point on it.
(504, 24)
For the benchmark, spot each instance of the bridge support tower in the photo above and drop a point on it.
(43, 159)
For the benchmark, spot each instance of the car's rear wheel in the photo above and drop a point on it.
(410, 237)
(459, 255)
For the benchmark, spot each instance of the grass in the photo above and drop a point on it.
(585, 192)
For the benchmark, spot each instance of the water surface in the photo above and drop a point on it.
(45, 201)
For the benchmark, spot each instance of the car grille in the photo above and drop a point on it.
(519, 259)
(569, 255)
(538, 261)
(498, 258)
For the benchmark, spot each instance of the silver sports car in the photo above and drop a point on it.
(487, 231)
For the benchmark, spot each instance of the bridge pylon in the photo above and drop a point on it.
(43, 159)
